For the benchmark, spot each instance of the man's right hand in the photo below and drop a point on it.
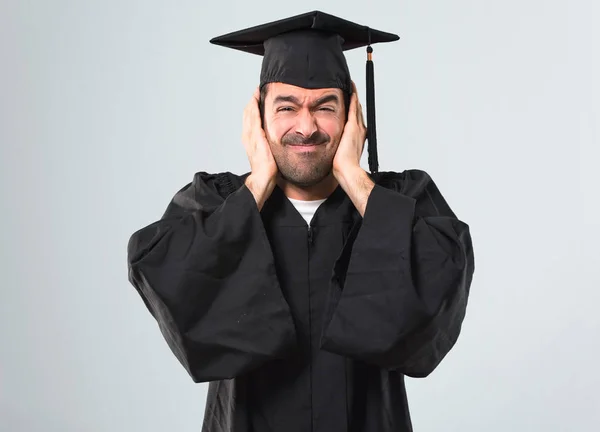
(262, 179)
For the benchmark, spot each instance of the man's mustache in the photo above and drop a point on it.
(315, 139)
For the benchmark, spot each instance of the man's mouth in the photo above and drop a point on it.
(310, 144)
(314, 140)
(305, 147)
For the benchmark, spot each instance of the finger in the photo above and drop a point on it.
(352, 109)
(355, 91)
(252, 112)
(359, 105)
(362, 118)
(248, 120)
(359, 114)
(253, 101)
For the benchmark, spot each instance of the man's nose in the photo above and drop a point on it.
(305, 123)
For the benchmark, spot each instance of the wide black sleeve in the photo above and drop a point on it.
(399, 290)
(206, 273)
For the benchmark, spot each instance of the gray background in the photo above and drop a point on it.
(109, 107)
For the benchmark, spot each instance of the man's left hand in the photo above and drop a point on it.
(352, 143)
(346, 163)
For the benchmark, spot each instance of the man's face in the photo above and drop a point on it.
(304, 128)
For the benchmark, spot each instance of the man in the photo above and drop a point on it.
(305, 290)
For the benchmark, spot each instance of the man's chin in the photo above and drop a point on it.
(304, 181)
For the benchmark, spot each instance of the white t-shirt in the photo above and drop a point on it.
(307, 208)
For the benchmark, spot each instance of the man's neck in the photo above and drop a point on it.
(322, 190)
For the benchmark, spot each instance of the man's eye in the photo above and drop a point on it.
(287, 108)
(330, 109)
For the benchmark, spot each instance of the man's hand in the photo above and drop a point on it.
(346, 163)
(352, 143)
(264, 170)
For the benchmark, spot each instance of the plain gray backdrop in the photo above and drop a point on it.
(109, 107)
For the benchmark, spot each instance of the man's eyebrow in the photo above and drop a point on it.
(326, 99)
(291, 99)
(296, 101)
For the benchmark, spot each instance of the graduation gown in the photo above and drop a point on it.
(303, 328)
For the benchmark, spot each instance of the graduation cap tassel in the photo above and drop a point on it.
(371, 130)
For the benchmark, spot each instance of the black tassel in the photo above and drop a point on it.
(371, 129)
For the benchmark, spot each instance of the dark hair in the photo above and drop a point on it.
(261, 102)
(263, 96)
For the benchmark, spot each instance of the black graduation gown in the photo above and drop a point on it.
(306, 329)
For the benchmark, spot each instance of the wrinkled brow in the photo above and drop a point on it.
(290, 99)
(294, 100)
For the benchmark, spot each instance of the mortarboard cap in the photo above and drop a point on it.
(307, 51)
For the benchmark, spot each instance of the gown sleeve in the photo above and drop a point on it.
(399, 291)
(206, 273)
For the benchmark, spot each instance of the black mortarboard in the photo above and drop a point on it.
(307, 51)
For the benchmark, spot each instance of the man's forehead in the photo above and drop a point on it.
(277, 90)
